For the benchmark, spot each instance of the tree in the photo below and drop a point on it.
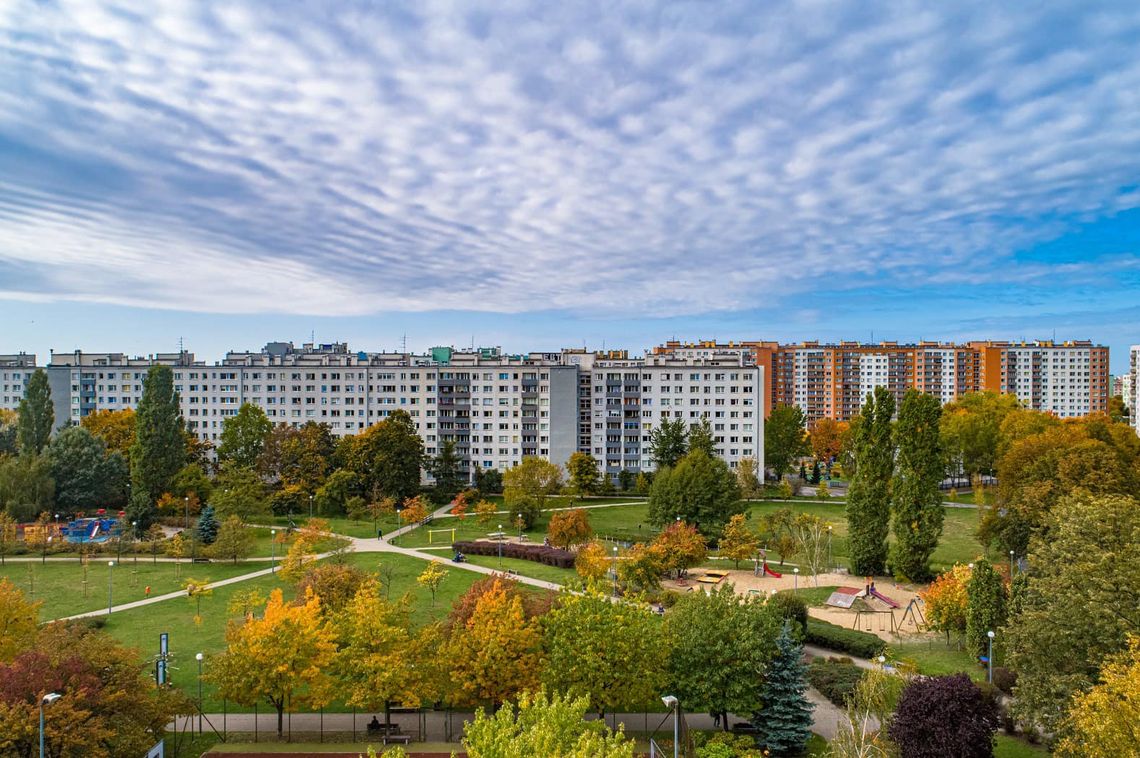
(1117, 409)
(701, 438)
(527, 485)
(569, 528)
(609, 652)
(334, 583)
(944, 717)
(196, 589)
(115, 428)
(234, 541)
(489, 481)
(388, 456)
(946, 601)
(641, 568)
(777, 532)
(667, 443)
(86, 477)
(642, 484)
(985, 606)
(591, 562)
(680, 547)
(9, 423)
(497, 653)
(784, 722)
(333, 496)
(811, 535)
(626, 480)
(159, 449)
(784, 438)
(284, 656)
(916, 499)
(702, 490)
(1103, 720)
(444, 469)
(19, 620)
(548, 726)
(1081, 603)
(738, 542)
(414, 511)
(26, 486)
(868, 497)
(238, 492)
(970, 431)
(720, 644)
(243, 436)
(36, 415)
(380, 660)
(192, 479)
(583, 471)
(826, 439)
(431, 578)
(459, 506)
(746, 478)
(7, 535)
(302, 457)
(207, 529)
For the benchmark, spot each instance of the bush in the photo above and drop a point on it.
(835, 678)
(791, 606)
(944, 716)
(549, 556)
(1005, 679)
(852, 641)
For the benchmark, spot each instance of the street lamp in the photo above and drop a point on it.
(110, 586)
(272, 548)
(500, 545)
(990, 657)
(199, 659)
(47, 699)
(134, 535)
(520, 526)
(615, 570)
(830, 560)
(1011, 565)
(186, 500)
(672, 704)
(310, 506)
(796, 579)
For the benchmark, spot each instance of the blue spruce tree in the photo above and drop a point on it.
(784, 723)
(207, 526)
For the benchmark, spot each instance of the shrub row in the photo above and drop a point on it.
(835, 678)
(550, 556)
(851, 641)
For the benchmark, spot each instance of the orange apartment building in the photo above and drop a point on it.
(1068, 379)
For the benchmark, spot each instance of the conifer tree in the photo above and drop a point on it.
(33, 427)
(784, 723)
(916, 500)
(207, 526)
(868, 498)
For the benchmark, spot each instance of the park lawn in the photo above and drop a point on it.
(1013, 747)
(935, 657)
(530, 569)
(59, 584)
(813, 596)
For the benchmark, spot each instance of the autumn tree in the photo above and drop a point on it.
(916, 498)
(431, 578)
(944, 716)
(528, 485)
(869, 495)
(497, 653)
(946, 601)
(284, 657)
(680, 547)
(234, 541)
(970, 431)
(610, 652)
(115, 428)
(985, 606)
(196, 589)
(334, 583)
(569, 528)
(485, 512)
(746, 478)
(36, 415)
(544, 725)
(738, 542)
(668, 443)
(811, 535)
(7, 536)
(243, 436)
(19, 620)
(641, 568)
(826, 439)
(583, 471)
(700, 489)
(159, 449)
(459, 506)
(413, 511)
(785, 440)
(303, 457)
(1103, 720)
(591, 562)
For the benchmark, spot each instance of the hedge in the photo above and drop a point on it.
(835, 678)
(550, 556)
(852, 641)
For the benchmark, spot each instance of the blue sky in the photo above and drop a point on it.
(538, 175)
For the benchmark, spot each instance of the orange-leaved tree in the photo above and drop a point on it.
(569, 528)
(946, 601)
(737, 541)
(459, 506)
(680, 547)
(414, 511)
(592, 561)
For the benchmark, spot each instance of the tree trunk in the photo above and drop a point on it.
(388, 713)
(280, 721)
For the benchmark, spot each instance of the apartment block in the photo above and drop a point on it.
(1133, 395)
(15, 370)
(832, 380)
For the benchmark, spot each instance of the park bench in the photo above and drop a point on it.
(512, 572)
(402, 739)
(199, 560)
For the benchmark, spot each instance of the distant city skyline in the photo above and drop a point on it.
(537, 176)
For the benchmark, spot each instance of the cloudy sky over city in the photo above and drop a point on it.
(539, 175)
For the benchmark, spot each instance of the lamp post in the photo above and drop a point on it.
(990, 657)
(186, 500)
(1011, 565)
(615, 570)
(199, 659)
(796, 580)
(47, 699)
(110, 586)
(520, 526)
(830, 560)
(500, 545)
(134, 536)
(272, 549)
(398, 522)
(672, 704)
(310, 506)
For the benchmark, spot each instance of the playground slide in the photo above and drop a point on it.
(884, 598)
(771, 573)
(94, 531)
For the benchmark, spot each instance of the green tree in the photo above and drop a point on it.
(1081, 603)
(785, 438)
(304, 456)
(444, 469)
(747, 479)
(737, 541)
(701, 438)
(869, 495)
(970, 431)
(36, 415)
(667, 443)
(583, 471)
(239, 492)
(388, 456)
(85, 475)
(985, 605)
(720, 645)
(191, 478)
(552, 727)
(916, 499)
(702, 490)
(489, 481)
(7, 535)
(159, 450)
(527, 485)
(333, 496)
(784, 722)
(234, 540)
(26, 486)
(626, 479)
(207, 529)
(9, 422)
(610, 652)
(244, 435)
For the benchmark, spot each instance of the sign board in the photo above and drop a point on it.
(164, 644)
(160, 672)
(157, 751)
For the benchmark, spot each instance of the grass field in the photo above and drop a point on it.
(59, 585)
(1012, 747)
(813, 596)
(934, 657)
(526, 568)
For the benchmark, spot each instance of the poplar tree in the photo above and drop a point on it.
(159, 451)
(869, 496)
(36, 415)
(916, 500)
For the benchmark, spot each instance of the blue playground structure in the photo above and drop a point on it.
(91, 530)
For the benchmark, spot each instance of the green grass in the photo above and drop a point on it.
(934, 658)
(59, 585)
(813, 596)
(526, 568)
(1012, 747)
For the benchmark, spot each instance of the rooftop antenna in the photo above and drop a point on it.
(404, 344)
(181, 349)
(313, 336)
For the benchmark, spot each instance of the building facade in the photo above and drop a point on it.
(15, 370)
(1068, 379)
(1133, 395)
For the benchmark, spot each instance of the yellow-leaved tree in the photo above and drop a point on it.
(592, 561)
(497, 653)
(1103, 720)
(946, 601)
(431, 578)
(284, 657)
(738, 542)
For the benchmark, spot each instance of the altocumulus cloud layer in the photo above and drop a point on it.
(644, 158)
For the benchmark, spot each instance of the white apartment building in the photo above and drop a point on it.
(1053, 378)
(1133, 387)
(15, 370)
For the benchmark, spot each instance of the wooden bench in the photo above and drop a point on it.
(403, 739)
(709, 579)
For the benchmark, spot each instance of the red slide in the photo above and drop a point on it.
(884, 598)
(770, 572)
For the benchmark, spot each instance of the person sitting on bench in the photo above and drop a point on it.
(374, 725)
